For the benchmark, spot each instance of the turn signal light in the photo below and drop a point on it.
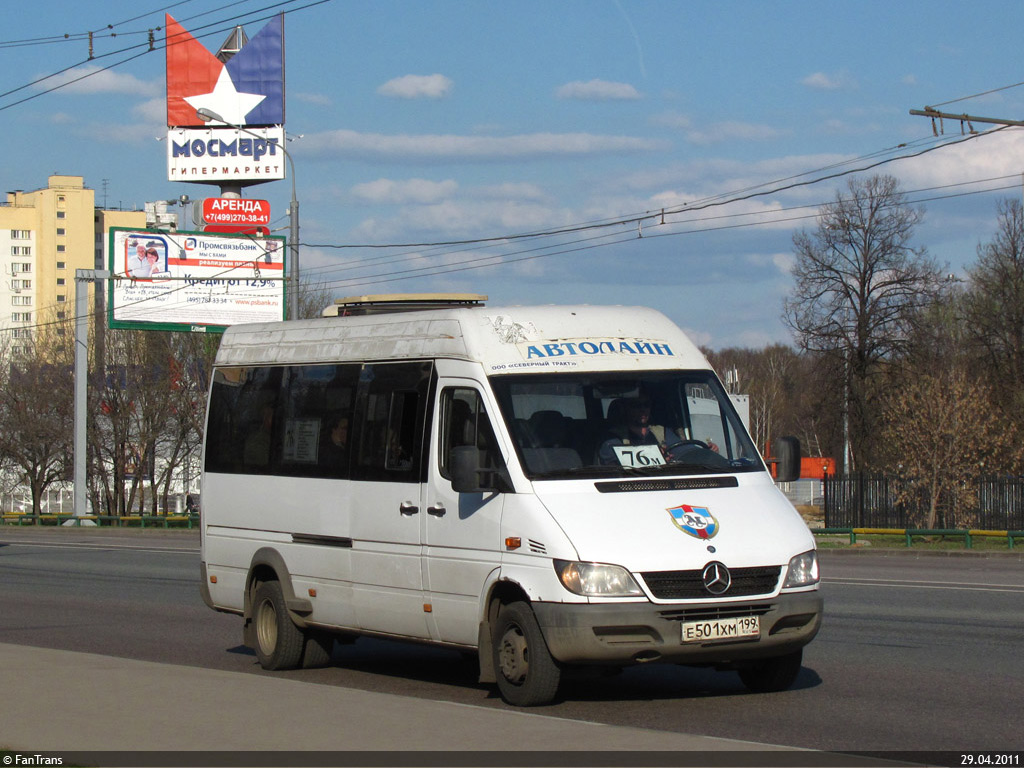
(513, 542)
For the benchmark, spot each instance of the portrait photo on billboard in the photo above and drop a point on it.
(145, 258)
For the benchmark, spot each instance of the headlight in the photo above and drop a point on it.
(596, 580)
(802, 571)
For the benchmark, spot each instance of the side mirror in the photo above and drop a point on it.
(787, 459)
(468, 476)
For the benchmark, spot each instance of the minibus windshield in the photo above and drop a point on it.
(618, 424)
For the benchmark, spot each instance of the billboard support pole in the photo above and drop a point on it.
(82, 277)
(208, 115)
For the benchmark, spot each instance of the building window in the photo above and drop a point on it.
(21, 301)
(20, 285)
(61, 231)
(21, 317)
(21, 250)
(60, 297)
(61, 265)
(21, 234)
(60, 249)
(61, 214)
(61, 314)
(21, 267)
(60, 281)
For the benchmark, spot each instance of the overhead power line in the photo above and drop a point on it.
(150, 45)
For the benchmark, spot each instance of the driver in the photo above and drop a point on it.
(630, 420)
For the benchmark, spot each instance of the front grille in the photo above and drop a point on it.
(689, 585)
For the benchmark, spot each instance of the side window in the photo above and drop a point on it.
(243, 406)
(284, 420)
(391, 406)
(464, 422)
(316, 408)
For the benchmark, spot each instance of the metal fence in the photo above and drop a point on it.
(873, 501)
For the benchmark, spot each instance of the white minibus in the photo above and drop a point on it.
(551, 488)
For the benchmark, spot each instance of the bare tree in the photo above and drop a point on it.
(943, 434)
(994, 307)
(769, 376)
(36, 405)
(858, 283)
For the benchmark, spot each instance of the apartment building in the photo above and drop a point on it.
(45, 236)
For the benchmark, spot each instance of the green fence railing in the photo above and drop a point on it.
(968, 535)
(141, 521)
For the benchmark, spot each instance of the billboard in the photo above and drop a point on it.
(193, 281)
(219, 155)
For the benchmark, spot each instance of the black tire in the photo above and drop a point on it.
(527, 675)
(774, 674)
(279, 643)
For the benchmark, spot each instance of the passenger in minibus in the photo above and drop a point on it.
(257, 445)
(334, 450)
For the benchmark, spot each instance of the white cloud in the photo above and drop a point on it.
(318, 99)
(417, 87)
(421, 191)
(714, 133)
(121, 133)
(460, 218)
(598, 90)
(672, 120)
(820, 81)
(92, 79)
(985, 157)
(448, 147)
(511, 191)
(152, 110)
(732, 131)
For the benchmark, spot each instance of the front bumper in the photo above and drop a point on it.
(633, 633)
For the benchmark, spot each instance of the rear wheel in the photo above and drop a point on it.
(527, 675)
(770, 675)
(279, 643)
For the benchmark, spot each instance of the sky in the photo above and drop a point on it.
(659, 153)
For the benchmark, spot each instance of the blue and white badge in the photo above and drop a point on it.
(696, 521)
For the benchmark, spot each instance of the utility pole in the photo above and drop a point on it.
(82, 277)
(935, 114)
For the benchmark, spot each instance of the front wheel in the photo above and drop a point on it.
(771, 675)
(527, 675)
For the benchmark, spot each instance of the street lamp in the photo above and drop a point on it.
(208, 115)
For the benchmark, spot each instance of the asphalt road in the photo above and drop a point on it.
(916, 652)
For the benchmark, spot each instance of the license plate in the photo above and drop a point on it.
(721, 629)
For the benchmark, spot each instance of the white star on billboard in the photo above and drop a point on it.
(226, 101)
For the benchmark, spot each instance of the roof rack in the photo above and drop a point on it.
(382, 303)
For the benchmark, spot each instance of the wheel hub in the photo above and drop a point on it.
(514, 656)
(266, 627)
